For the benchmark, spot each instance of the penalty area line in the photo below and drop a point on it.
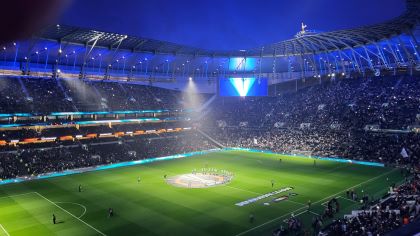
(90, 226)
(77, 204)
(299, 209)
(7, 233)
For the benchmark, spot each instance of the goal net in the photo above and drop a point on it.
(301, 153)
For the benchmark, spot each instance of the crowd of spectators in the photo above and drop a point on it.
(357, 145)
(360, 119)
(401, 207)
(44, 95)
(389, 102)
(36, 160)
(327, 120)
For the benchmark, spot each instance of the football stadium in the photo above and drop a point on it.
(107, 132)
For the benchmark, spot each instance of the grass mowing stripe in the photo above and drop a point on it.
(270, 221)
(90, 226)
(1, 226)
(17, 195)
(154, 208)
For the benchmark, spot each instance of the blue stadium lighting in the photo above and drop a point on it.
(106, 112)
(115, 121)
(15, 114)
(242, 85)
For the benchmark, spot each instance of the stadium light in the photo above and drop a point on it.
(190, 78)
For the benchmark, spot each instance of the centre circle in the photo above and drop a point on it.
(198, 180)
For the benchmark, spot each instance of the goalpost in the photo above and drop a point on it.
(301, 153)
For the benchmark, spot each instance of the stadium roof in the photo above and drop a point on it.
(306, 44)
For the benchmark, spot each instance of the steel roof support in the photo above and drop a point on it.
(415, 51)
(369, 60)
(356, 63)
(397, 60)
(311, 46)
(260, 63)
(274, 64)
(407, 53)
(382, 56)
(87, 54)
(343, 67)
(111, 59)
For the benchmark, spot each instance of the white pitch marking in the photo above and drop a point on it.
(17, 195)
(244, 190)
(1, 226)
(258, 226)
(299, 203)
(348, 199)
(77, 204)
(90, 226)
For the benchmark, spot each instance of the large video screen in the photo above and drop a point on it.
(243, 87)
(242, 64)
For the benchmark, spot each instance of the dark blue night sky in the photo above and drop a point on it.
(226, 24)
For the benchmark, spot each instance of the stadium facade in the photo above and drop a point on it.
(387, 48)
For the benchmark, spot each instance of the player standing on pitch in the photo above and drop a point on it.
(251, 218)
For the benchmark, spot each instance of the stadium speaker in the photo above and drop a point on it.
(21, 19)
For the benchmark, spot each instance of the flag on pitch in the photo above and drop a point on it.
(404, 153)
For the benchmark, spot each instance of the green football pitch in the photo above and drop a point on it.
(154, 207)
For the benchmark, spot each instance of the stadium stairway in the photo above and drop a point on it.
(210, 138)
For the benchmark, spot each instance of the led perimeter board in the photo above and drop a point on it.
(243, 87)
